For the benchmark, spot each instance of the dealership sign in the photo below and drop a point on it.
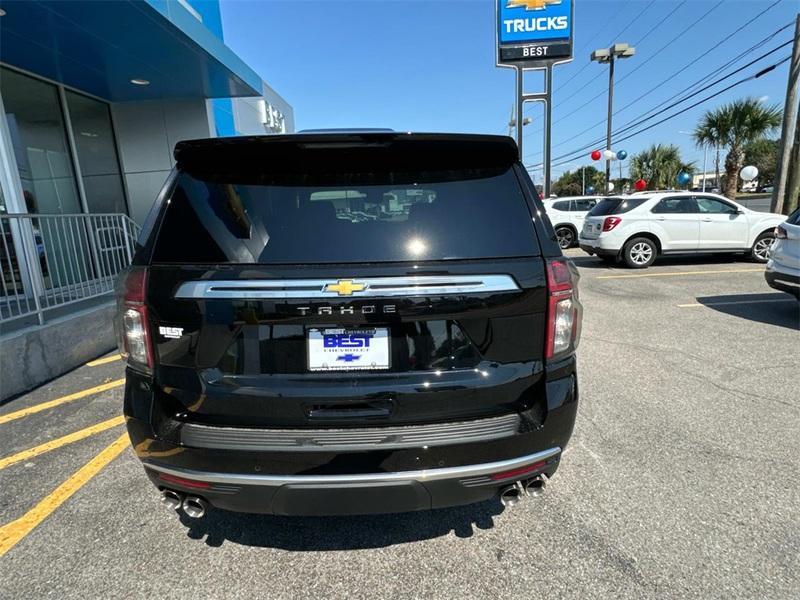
(534, 32)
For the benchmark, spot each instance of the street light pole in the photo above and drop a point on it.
(609, 55)
(608, 119)
(705, 159)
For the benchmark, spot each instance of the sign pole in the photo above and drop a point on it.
(534, 35)
(548, 120)
(520, 100)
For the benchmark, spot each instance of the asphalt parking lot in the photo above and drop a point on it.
(680, 480)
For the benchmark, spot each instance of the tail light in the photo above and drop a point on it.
(610, 222)
(133, 336)
(564, 309)
(780, 233)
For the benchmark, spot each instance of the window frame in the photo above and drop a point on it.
(734, 209)
(678, 198)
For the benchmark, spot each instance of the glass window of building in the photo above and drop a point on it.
(97, 154)
(40, 144)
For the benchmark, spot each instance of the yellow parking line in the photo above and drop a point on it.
(68, 398)
(103, 361)
(13, 532)
(678, 274)
(58, 442)
(694, 304)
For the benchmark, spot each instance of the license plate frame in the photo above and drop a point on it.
(333, 349)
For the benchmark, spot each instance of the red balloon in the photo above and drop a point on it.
(640, 185)
(596, 154)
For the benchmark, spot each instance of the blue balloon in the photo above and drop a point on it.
(590, 189)
(684, 178)
(622, 155)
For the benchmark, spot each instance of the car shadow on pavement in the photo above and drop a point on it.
(773, 309)
(316, 534)
(593, 262)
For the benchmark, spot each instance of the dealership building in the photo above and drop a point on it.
(94, 96)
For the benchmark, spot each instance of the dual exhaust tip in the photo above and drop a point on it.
(194, 506)
(515, 492)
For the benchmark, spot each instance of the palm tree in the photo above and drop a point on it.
(659, 166)
(733, 126)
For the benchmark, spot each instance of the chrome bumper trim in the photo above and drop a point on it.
(421, 476)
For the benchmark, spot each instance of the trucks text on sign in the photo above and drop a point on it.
(534, 30)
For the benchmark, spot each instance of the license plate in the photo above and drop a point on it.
(341, 349)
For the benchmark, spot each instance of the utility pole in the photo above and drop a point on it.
(793, 182)
(608, 120)
(609, 55)
(780, 192)
(583, 177)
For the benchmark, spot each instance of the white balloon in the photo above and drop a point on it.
(609, 154)
(610, 186)
(748, 173)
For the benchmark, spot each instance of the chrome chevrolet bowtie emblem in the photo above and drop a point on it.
(345, 287)
(531, 4)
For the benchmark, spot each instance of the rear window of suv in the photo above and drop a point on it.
(347, 217)
(616, 206)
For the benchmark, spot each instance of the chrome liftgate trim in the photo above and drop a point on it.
(365, 287)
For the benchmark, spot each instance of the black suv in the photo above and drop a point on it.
(348, 323)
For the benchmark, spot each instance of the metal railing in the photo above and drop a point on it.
(51, 261)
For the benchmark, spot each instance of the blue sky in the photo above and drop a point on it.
(430, 65)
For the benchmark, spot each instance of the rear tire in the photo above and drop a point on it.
(639, 253)
(758, 252)
(565, 236)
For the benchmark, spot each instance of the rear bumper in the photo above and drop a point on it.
(593, 247)
(247, 473)
(321, 495)
(783, 282)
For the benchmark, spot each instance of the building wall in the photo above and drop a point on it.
(147, 133)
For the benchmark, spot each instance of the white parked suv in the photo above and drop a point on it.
(638, 228)
(567, 215)
(783, 266)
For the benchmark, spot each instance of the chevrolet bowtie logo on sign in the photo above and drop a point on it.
(345, 287)
(531, 4)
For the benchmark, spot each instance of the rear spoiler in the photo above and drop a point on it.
(367, 151)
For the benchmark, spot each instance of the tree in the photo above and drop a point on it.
(735, 125)
(571, 182)
(762, 154)
(659, 166)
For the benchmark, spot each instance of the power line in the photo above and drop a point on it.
(756, 75)
(631, 22)
(698, 58)
(646, 116)
(643, 63)
(715, 94)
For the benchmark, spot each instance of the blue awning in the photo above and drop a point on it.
(99, 47)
